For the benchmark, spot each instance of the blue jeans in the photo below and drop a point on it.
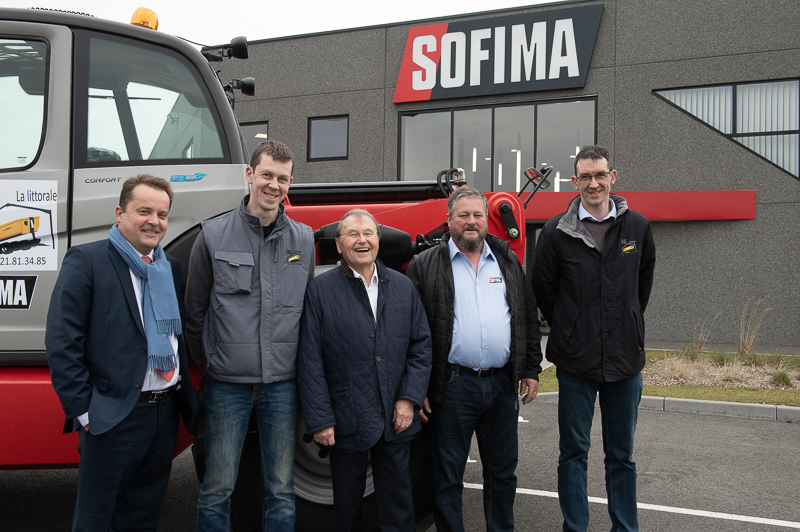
(488, 407)
(619, 408)
(228, 409)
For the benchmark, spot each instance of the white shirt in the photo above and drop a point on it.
(372, 289)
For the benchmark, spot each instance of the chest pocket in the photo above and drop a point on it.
(233, 272)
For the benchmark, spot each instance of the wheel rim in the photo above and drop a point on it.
(312, 473)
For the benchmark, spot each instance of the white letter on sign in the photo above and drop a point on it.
(477, 54)
(459, 58)
(521, 49)
(7, 292)
(20, 297)
(499, 55)
(564, 37)
(425, 79)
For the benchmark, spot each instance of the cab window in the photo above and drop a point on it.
(142, 103)
(23, 67)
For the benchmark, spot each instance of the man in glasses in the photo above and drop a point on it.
(592, 276)
(362, 371)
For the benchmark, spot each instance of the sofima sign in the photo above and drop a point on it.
(546, 50)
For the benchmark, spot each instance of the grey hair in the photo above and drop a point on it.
(361, 213)
(465, 192)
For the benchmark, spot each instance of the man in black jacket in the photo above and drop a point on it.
(592, 276)
(486, 348)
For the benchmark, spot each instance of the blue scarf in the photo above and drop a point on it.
(161, 314)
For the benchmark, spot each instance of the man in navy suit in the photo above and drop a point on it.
(118, 362)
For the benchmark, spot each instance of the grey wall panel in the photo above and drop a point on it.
(657, 31)
(324, 64)
(705, 268)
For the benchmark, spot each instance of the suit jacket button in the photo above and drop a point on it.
(144, 351)
(138, 385)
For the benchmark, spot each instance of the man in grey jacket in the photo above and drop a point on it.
(244, 296)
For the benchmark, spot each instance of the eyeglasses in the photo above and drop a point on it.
(353, 235)
(599, 176)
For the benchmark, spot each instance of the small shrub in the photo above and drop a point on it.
(781, 378)
(701, 337)
(752, 317)
(687, 352)
(720, 356)
(733, 372)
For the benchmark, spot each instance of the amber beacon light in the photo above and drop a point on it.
(145, 18)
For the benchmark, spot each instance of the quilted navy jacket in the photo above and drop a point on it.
(351, 367)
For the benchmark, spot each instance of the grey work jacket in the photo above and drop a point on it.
(250, 323)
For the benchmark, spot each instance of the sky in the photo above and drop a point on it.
(258, 20)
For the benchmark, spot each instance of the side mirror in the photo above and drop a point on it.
(238, 48)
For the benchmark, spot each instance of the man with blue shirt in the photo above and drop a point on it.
(486, 349)
(592, 276)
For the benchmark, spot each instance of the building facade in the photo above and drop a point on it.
(698, 102)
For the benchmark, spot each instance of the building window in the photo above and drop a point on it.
(327, 138)
(763, 117)
(253, 134)
(495, 145)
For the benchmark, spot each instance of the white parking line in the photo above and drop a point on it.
(668, 509)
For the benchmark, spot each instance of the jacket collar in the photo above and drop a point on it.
(569, 221)
(379, 267)
(124, 274)
(254, 222)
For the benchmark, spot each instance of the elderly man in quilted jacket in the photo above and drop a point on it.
(363, 369)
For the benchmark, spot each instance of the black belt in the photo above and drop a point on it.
(457, 369)
(156, 396)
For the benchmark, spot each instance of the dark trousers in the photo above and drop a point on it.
(488, 408)
(123, 473)
(392, 486)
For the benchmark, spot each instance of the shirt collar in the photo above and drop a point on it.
(486, 252)
(583, 213)
(359, 276)
(137, 251)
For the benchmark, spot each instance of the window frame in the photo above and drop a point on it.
(346, 155)
(452, 109)
(735, 134)
(80, 101)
